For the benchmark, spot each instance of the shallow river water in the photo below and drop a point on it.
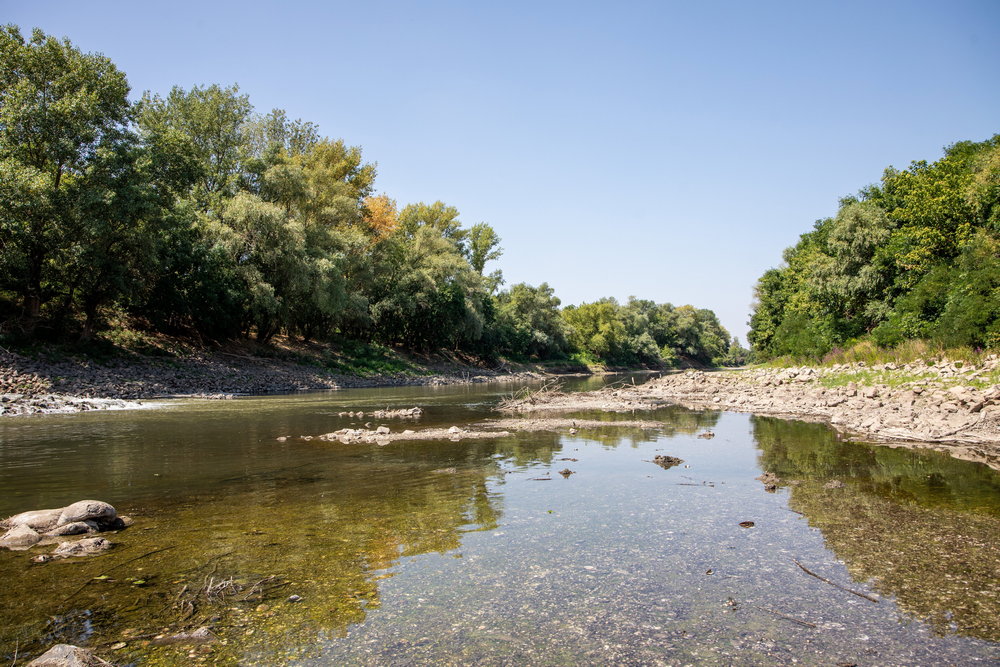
(480, 552)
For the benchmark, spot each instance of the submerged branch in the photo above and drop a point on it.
(786, 617)
(833, 583)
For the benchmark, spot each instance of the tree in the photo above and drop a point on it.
(62, 113)
(215, 120)
(381, 215)
(531, 322)
(482, 245)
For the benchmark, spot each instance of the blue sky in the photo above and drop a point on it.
(665, 150)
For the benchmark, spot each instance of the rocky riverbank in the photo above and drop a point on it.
(952, 406)
(29, 386)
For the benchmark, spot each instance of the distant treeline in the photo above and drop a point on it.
(915, 257)
(191, 214)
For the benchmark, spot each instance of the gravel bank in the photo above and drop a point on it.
(29, 386)
(951, 406)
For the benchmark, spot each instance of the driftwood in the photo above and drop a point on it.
(833, 583)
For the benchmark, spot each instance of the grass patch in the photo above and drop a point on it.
(871, 354)
(365, 360)
(901, 379)
(894, 379)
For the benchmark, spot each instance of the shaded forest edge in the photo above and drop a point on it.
(192, 217)
(140, 366)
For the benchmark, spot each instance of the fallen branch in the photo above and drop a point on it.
(833, 583)
(787, 618)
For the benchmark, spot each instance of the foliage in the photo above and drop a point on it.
(915, 257)
(643, 332)
(194, 214)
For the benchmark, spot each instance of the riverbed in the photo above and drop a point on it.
(479, 551)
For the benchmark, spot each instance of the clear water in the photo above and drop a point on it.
(479, 552)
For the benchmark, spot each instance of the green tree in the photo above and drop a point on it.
(62, 114)
(215, 120)
(531, 322)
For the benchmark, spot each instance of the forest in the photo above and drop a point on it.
(915, 257)
(190, 213)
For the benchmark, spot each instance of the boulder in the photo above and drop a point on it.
(87, 510)
(40, 520)
(66, 655)
(19, 538)
(75, 528)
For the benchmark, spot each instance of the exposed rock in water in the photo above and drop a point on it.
(85, 547)
(707, 435)
(41, 520)
(19, 538)
(383, 435)
(87, 510)
(667, 462)
(200, 636)
(66, 655)
(27, 529)
(401, 413)
(770, 481)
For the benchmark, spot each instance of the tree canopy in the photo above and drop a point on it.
(913, 257)
(192, 213)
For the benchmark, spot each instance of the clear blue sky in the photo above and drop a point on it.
(665, 150)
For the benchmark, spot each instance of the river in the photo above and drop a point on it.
(308, 552)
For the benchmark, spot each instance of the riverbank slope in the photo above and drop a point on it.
(56, 384)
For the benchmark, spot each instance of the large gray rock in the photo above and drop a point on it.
(75, 528)
(40, 520)
(87, 510)
(19, 538)
(66, 655)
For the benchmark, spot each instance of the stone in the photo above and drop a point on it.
(85, 547)
(667, 462)
(40, 520)
(66, 655)
(770, 481)
(19, 538)
(454, 429)
(201, 635)
(75, 528)
(87, 510)
(382, 430)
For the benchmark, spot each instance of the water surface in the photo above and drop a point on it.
(480, 552)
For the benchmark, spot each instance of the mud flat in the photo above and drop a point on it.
(950, 406)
